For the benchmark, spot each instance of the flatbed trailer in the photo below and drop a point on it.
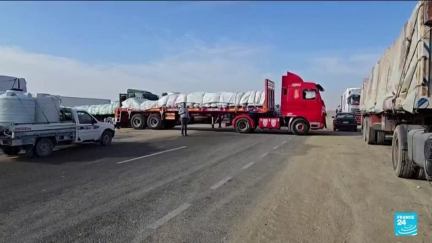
(302, 109)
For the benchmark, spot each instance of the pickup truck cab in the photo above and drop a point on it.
(40, 139)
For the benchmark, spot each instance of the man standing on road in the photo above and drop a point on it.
(184, 119)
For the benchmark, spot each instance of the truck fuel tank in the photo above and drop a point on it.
(420, 149)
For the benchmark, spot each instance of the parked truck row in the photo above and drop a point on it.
(38, 123)
(396, 97)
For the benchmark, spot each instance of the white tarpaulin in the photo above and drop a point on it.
(400, 79)
(200, 99)
(103, 110)
(133, 103)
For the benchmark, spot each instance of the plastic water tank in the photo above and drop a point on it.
(47, 108)
(17, 107)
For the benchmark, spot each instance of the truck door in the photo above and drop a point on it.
(87, 127)
(311, 106)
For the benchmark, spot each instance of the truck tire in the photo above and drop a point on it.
(370, 134)
(420, 174)
(300, 126)
(138, 121)
(106, 138)
(365, 124)
(154, 121)
(243, 125)
(380, 137)
(11, 151)
(43, 148)
(401, 165)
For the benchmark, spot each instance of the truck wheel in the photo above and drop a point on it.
(401, 165)
(420, 174)
(300, 126)
(380, 137)
(243, 125)
(106, 138)
(43, 147)
(11, 151)
(154, 121)
(365, 124)
(138, 121)
(355, 129)
(370, 134)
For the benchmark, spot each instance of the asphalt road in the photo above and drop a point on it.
(143, 188)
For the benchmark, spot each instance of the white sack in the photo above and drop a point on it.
(133, 103)
(244, 100)
(149, 104)
(251, 100)
(181, 98)
(227, 97)
(195, 98)
(211, 98)
(257, 98)
(162, 101)
(262, 99)
(171, 100)
(239, 96)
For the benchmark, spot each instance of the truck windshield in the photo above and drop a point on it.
(354, 100)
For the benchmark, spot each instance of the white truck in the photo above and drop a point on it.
(350, 102)
(75, 127)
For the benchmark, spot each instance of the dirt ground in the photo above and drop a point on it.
(339, 190)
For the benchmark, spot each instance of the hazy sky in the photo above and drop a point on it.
(99, 49)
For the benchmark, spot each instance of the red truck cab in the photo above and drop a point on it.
(302, 101)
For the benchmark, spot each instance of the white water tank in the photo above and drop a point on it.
(17, 107)
(47, 108)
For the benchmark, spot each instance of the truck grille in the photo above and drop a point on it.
(357, 114)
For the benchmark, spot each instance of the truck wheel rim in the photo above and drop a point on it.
(137, 122)
(153, 122)
(44, 148)
(106, 139)
(242, 125)
(300, 127)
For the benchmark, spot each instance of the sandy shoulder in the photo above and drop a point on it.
(338, 189)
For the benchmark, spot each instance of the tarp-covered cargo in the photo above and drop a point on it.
(400, 79)
(196, 99)
(200, 99)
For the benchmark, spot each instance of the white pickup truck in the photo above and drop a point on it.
(75, 127)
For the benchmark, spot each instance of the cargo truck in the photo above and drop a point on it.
(301, 109)
(396, 98)
(350, 102)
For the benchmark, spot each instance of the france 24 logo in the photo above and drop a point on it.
(405, 224)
